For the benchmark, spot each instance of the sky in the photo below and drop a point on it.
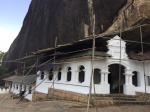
(12, 14)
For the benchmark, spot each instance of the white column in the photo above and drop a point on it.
(104, 86)
(106, 77)
(129, 88)
(75, 76)
(55, 76)
(130, 80)
(102, 78)
(126, 79)
(46, 74)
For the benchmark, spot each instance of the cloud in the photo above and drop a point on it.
(7, 36)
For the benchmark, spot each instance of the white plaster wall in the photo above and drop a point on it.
(102, 63)
(138, 66)
(27, 95)
(74, 85)
(17, 91)
(14, 89)
(4, 91)
(41, 86)
(147, 73)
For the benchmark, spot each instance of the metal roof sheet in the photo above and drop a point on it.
(30, 79)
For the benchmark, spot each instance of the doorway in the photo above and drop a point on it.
(113, 78)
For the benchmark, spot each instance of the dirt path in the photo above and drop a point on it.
(61, 106)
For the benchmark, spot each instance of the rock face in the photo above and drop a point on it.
(69, 20)
(134, 13)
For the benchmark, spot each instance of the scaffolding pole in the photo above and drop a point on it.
(120, 66)
(93, 53)
(54, 62)
(143, 60)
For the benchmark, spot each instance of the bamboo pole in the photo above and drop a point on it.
(54, 64)
(24, 65)
(143, 61)
(120, 67)
(93, 50)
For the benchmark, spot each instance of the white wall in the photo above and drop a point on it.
(4, 91)
(145, 69)
(29, 96)
(101, 63)
(17, 91)
(74, 85)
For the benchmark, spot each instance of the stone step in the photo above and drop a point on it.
(124, 102)
(114, 95)
(116, 102)
(115, 98)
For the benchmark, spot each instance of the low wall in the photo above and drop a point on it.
(66, 95)
(3, 91)
(143, 97)
(38, 96)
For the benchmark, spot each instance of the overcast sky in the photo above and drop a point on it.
(12, 13)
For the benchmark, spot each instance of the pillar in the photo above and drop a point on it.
(104, 85)
(126, 79)
(102, 78)
(129, 88)
(106, 77)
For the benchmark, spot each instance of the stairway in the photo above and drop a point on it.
(115, 99)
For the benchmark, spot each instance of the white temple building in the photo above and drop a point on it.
(74, 72)
(18, 84)
(114, 72)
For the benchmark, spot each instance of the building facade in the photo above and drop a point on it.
(113, 72)
(19, 84)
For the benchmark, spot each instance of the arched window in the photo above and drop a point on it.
(20, 87)
(17, 86)
(81, 74)
(30, 90)
(51, 74)
(42, 75)
(69, 73)
(13, 86)
(24, 87)
(59, 75)
(135, 78)
(148, 80)
(97, 76)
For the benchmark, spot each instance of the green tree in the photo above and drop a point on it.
(3, 71)
(2, 54)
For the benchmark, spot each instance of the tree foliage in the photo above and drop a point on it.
(3, 71)
(2, 54)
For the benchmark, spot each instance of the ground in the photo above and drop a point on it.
(10, 105)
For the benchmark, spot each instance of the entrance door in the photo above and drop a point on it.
(113, 78)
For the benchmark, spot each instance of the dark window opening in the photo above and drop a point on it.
(69, 73)
(148, 78)
(51, 75)
(59, 75)
(81, 74)
(17, 86)
(135, 78)
(30, 90)
(97, 76)
(24, 87)
(42, 75)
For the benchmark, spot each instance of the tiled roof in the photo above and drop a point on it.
(30, 79)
